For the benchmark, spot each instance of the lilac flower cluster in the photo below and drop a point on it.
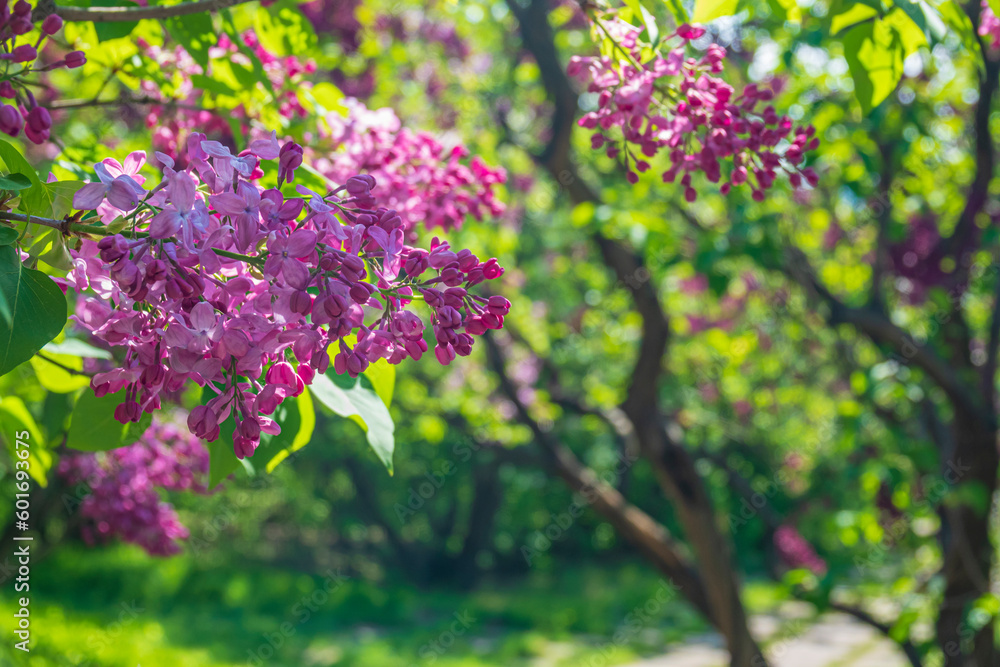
(227, 284)
(25, 113)
(989, 26)
(674, 103)
(796, 552)
(426, 182)
(124, 484)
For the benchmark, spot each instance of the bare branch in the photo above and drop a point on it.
(105, 14)
(881, 330)
(635, 525)
(908, 648)
(124, 101)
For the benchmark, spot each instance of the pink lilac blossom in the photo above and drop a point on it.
(19, 48)
(673, 103)
(171, 126)
(989, 26)
(912, 259)
(225, 283)
(422, 179)
(796, 552)
(123, 484)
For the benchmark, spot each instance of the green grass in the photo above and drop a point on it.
(117, 607)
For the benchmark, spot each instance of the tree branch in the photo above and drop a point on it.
(992, 347)
(635, 525)
(123, 101)
(881, 330)
(912, 654)
(966, 227)
(105, 14)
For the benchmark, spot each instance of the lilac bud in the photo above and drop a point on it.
(361, 292)
(52, 24)
(10, 120)
(449, 317)
(250, 429)
(301, 302)
(156, 270)
(492, 269)
(39, 119)
(23, 53)
(498, 305)
(113, 248)
(75, 59)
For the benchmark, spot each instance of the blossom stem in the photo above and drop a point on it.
(103, 14)
(71, 371)
(102, 230)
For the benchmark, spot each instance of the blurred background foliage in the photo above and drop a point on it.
(834, 434)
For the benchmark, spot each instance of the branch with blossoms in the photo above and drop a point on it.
(673, 103)
(248, 292)
(19, 53)
(106, 14)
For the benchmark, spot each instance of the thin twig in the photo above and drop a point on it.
(105, 14)
(71, 371)
(123, 101)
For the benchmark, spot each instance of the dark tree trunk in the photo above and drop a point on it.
(971, 473)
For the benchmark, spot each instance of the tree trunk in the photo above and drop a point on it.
(971, 472)
(676, 473)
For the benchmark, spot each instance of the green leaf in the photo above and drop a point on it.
(382, 375)
(924, 17)
(15, 418)
(202, 82)
(284, 30)
(844, 14)
(789, 9)
(875, 51)
(113, 29)
(57, 379)
(93, 427)
(32, 199)
(304, 424)
(8, 235)
(289, 419)
(5, 313)
(958, 21)
(50, 247)
(37, 310)
(54, 420)
(14, 182)
(76, 348)
(328, 97)
(353, 399)
(58, 197)
(676, 8)
(648, 20)
(222, 461)
(134, 430)
(709, 10)
(195, 33)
